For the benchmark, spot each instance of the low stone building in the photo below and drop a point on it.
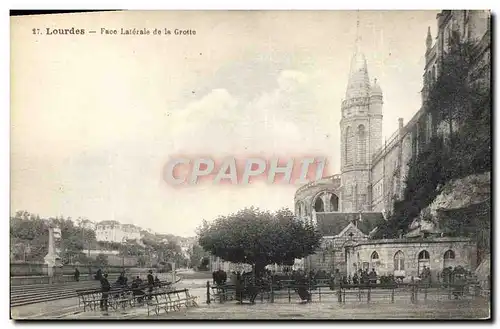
(338, 230)
(407, 257)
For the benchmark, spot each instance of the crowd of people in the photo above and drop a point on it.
(140, 288)
(361, 277)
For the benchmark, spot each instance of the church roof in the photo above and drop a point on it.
(332, 223)
(359, 83)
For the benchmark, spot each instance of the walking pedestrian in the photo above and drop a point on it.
(105, 288)
(151, 283)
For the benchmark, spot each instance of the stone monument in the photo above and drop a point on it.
(52, 259)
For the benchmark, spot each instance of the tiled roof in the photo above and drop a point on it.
(332, 223)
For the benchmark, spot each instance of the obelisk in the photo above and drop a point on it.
(52, 259)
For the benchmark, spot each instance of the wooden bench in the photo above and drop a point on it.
(169, 301)
(223, 293)
(119, 297)
(91, 298)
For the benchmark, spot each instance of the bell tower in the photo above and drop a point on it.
(361, 132)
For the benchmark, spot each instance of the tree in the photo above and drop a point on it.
(196, 253)
(461, 99)
(259, 238)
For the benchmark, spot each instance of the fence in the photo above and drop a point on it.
(36, 269)
(37, 273)
(346, 293)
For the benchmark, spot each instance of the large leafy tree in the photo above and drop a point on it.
(196, 254)
(259, 238)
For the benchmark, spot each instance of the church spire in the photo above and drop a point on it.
(359, 82)
(428, 41)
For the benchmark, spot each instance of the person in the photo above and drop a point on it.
(136, 291)
(98, 275)
(373, 277)
(105, 288)
(122, 280)
(214, 277)
(366, 276)
(151, 283)
(77, 275)
(427, 275)
(337, 278)
(157, 281)
(459, 285)
(355, 279)
(223, 276)
(301, 283)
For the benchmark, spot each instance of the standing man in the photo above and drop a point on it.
(151, 283)
(77, 275)
(373, 277)
(105, 288)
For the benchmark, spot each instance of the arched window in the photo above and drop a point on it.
(374, 260)
(318, 205)
(449, 259)
(424, 254)
(334, 203)
(423, 261)
(361, 136)
(348, 146)
(399, 261)
(449, 254)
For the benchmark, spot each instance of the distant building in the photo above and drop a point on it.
(113, 231)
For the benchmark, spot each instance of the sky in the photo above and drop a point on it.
(95, 118)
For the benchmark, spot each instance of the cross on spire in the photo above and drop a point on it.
(358, 36)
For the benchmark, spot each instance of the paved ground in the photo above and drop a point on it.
(435, 307)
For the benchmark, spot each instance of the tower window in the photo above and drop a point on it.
(348, 146)
(361, 136)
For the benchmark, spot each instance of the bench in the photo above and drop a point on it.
(91, 298)
(223, 292)
(117, 296)
(169, 301)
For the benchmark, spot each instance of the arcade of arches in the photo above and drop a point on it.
(325, 201)
(407, 258)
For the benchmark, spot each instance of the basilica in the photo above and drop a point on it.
(348, 207)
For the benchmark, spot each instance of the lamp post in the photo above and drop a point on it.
(84, 223)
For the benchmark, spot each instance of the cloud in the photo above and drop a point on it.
(283, 120)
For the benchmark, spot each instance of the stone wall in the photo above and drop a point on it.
(463, 249)
(332, 253)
